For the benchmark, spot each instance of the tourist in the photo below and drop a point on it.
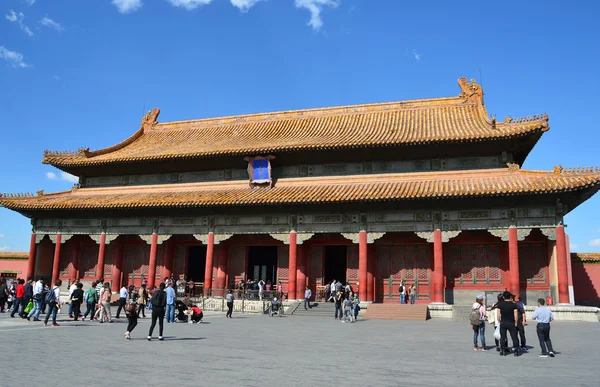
(159, 302)
(327, 291)
(27, 296)
(192, 288)
(38, 288)
(105, 303)
(142, 301)
(280, 290)
(508, 322)
(19, 295)
(76, 300)
(261, 288)
(171, 297)
(347, 309)
(402, 291)
(413, 293)
(3, 296)
(72, 288)
(338, 305)
(131, 311)
(123, 293)
(53, 302)
(496, 318)
(520, 324)
(195, 314)
(268, 286)
(307, 296)
(229, 304)
(479, 329)
(90, 299)
(355, 305)
(543, 315)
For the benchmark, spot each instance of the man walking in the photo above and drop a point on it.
(521, 323)
(52, 300)
(171, 296)
(123, 293)
(229, 304)
(19, 294)
(508, 322)
(38, 288)
(543, 315)
(27, 296)
(159, 301)
(307, 296)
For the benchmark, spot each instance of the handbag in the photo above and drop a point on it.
(29, 307)
(492, 316)
(497, 333)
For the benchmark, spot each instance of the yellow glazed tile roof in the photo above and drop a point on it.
(453, 119)
(363, 188)
(585, 257)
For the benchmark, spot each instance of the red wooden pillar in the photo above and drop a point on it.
(372, 255)
(74, 271)
(561, 265)
(168, 257)
(438, 267)
(101, 249)
(293, 266)
(56, 261)
(513, 261)
(152, 260)
(118, 266)
(362, 265)
(222, 267)
(31, 259)
(208, 270)
(301, 272)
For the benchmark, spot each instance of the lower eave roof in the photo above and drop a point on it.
(318, 190)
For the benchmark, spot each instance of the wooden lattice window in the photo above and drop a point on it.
(533, 263)
(474, 263)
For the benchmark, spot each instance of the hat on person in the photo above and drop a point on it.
(507, 295)
(480, 297)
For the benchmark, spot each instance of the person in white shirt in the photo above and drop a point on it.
(261, 287)
(38, 288)
(123, 293)
(53, 306)
(71, 290)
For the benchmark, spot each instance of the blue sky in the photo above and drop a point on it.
(80, 73)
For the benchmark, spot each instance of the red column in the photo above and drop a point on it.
(56, 261)
(100, 271)
(222, 266)
(513, 261)
(152, 261)
(372, 254)
(362, 265)
(74, 272)
(438, 267)
(168, 258)
(31, 260)
(118, 266)
(293, 266)
(301, 272)
(561, 263)
(210, 252)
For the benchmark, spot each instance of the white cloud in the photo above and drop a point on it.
(127, 6)
(416, 55)
(244, 5)
(189, 4)
(14, 17)
(68, 177)
(315, 7)
(594, 242)
(29, 2)
(51, 175)
(15, 59)
(47, 22)
(3, 248)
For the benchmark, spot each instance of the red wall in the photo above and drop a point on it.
(18, 265)
(586, 283)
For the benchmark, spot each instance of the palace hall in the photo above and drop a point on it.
(427, 192)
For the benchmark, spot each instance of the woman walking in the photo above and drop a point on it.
(131, 311)
(105, 303)
(159, 303)
(142, 301)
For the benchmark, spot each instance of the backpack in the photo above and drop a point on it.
(474, 317)
(157, 298)
(401, 289)
(50, 296)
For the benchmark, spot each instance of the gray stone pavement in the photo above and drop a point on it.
(257, 350)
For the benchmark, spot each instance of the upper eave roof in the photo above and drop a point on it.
(315, 190)
(585, 257)
(454, 119)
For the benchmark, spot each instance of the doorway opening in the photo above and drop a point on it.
(196, 264)
(335, 264)
(262, 263)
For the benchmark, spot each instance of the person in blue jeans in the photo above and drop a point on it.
(171, 296)
(38, 288)
(53, 306)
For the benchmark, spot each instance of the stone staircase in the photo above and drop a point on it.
(397, 312)
(321, 309)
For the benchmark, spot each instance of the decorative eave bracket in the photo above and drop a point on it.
(446, 235)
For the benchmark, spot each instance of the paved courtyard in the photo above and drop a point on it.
(256, 350)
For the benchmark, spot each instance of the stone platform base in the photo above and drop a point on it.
(219, 304)
(561, 312)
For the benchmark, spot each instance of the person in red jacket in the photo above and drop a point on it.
(19, 297)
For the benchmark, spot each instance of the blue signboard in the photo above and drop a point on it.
(260, 170)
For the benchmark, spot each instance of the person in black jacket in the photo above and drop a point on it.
(27, 296)
(159, 303)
